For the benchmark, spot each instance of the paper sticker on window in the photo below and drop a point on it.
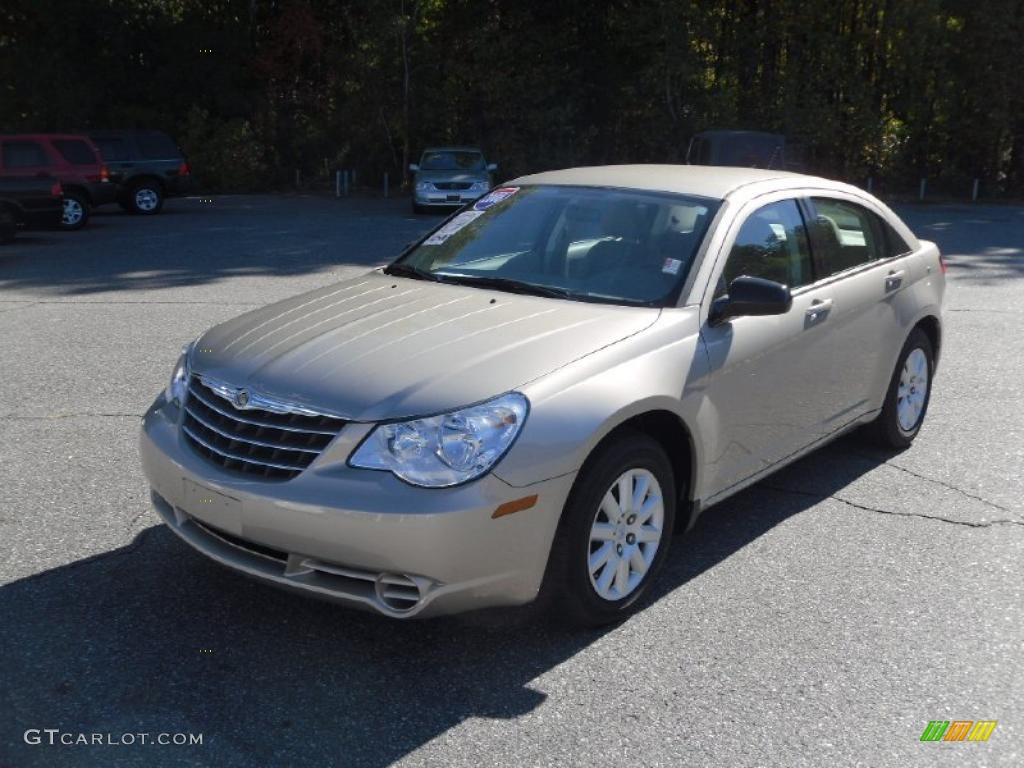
(453, 226)
(494, 197)
(671, 266)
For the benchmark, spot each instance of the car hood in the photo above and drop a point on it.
(466, 176)
(381, 347)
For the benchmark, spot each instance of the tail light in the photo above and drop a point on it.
(942, 264)
(184, 170)
(104, 173)
(57, 190)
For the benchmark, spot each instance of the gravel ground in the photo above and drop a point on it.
(822, 617)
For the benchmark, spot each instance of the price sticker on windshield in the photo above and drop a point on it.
(494, 197)
(453, 226)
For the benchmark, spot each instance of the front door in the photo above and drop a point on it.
(767, 387)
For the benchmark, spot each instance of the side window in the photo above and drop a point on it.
(772, 243)
(112, 149)
(75, 151)
(24, 154)
(845, 235)
(895, 245)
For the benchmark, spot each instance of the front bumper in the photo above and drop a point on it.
(444, 198)
(360, 537)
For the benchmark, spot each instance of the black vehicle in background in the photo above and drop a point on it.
(32, 202)
(747, 149)
(147, 166)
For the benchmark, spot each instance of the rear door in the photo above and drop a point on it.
(765, 391)
(866, 266)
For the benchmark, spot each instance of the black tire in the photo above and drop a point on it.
(886, 430)
(145, 198)
(567, 587)
(76, 215)
(8, 225)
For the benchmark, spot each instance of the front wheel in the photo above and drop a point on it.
(614, 534)
(75, 214)
(906, 400)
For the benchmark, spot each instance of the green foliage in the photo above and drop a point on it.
(896, 89)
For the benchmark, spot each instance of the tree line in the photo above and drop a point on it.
(254, 90)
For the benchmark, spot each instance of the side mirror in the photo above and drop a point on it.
(413, 167)
(751, 296)
(492, 167)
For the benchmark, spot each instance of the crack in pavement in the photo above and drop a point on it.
(944, 484)
(865, 508)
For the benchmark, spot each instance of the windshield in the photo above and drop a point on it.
(583, 243)
(451, 160)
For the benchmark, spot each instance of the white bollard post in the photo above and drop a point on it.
(870, 184)
(924, 183)
(337, 183)
(974, 192)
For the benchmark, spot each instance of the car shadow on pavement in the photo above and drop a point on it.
(154, 638)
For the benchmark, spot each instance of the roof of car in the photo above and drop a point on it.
(453, 149)
(702, 180)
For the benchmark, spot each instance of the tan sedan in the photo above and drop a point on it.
(532, 398)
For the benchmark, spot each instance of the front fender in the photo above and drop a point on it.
(663, 368)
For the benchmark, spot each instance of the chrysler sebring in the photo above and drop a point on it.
(534, 396)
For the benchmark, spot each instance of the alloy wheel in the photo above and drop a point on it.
(73, 212)
(625, 534)
(913, 390)
(146, 199)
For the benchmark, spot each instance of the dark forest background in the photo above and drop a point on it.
(893, 89)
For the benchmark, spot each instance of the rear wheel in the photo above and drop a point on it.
(76, 211)
(614, 534)
(906, 401)
(145, 198)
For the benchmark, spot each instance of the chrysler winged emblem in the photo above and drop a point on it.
(242, 398)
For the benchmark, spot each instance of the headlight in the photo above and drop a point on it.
(445, 450)
(175, 392)
(423, 186)
(480, 186)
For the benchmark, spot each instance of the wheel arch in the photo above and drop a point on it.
(141, 178)
(932, 328)
(676, 438)
(79, 190)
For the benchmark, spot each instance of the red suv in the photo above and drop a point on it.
(70, 158)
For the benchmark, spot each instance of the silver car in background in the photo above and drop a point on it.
(531, 399)
(447, 177)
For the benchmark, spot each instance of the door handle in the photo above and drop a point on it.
(817, 312)
(894, 280)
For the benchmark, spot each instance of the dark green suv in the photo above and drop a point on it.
(147, 166)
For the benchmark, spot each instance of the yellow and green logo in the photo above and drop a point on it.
(958, 730)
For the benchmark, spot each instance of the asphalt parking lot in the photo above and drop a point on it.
(822, 617)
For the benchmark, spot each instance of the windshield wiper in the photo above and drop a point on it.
(407, 270)
(506, 284)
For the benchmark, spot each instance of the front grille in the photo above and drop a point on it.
(275, 446)
(453, 184)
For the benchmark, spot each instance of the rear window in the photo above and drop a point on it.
(112, 149)
(24, 154)
(157, 146)
(75, 151)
